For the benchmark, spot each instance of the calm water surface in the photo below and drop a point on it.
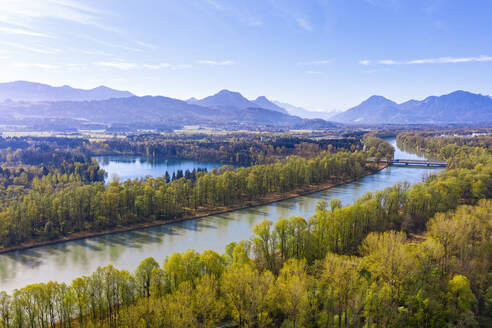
(65, 261)
(131, 167)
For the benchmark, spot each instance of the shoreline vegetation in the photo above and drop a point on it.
(267, 199)
(352, 266)
(58, 202)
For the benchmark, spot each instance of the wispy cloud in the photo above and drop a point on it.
(215, 63)
(157, 66)
(75, 67)
(375, 70)
(110, 44)
(313, 62)
(145, 45)
(387, 62)
(32, 48)
(125, 66)
(34, 65)
(118, 65)
(181, 67)
(365, 62)
(231, 8)
(29, 11)
(21, 31)
(97, 53)
(440, 60)
(310, 72)
(304, 23)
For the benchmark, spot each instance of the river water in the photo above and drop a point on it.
(66, 261)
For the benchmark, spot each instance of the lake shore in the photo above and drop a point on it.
(268, 199)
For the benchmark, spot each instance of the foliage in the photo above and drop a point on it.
(343, 267)
(56, 206)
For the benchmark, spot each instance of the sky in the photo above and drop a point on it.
(318, 54)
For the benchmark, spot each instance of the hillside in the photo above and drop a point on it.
(35, 92)
(146, 112)
(226, 99)
(263, 102)
(456, 107)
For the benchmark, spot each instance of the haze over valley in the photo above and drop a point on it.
(39, 106)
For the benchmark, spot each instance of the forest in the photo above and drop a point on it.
(243, 149)
(407, 256)
(237, 148)
(67, 193)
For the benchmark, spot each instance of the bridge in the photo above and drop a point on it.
(418, 162)
(412, 162)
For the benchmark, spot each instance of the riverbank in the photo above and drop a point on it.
(268, 199)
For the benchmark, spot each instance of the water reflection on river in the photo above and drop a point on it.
(63, 262)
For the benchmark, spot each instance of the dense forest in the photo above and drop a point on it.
(244, 149)
(65, 192)
(54, 208)
(408, 256)
(453, 149)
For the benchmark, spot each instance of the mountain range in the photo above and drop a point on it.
(226, 109)
(35, 92)
(456, 107)
(226, 99)
(42, 106)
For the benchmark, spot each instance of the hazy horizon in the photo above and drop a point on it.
(320, 55)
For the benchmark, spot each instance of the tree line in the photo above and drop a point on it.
(54, 207)
(415, 256)
(458, 151)
(378, 148)
(242, 149)
(237, 148)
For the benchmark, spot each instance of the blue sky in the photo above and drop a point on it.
(322, 54)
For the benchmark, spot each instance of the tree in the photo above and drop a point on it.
(143, 275)
(248, 294)
(292, 285)
(208, 307)
(264, 243)
(461, 301)
(5, 310)
(341, 277)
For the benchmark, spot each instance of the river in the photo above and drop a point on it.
(65, 261)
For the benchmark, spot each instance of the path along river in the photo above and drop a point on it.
(66, 261)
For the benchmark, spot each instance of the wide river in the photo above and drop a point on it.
(65, 261)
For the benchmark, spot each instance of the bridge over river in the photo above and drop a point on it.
(413, 162)
(419, 162)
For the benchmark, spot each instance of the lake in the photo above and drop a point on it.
(66, 261)
(132, 167)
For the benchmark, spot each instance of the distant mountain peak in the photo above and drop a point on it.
(228, 92)
(226, 99)
(460, 92)
(456, 107)
(375, 99)
(102, 87)
(35, 92)
(264, 102)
